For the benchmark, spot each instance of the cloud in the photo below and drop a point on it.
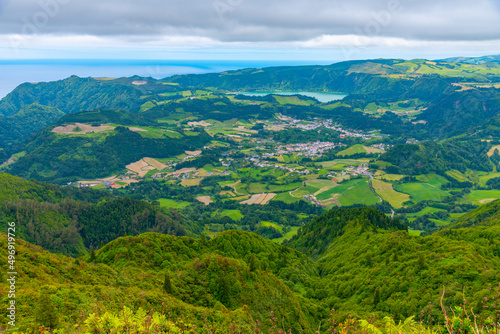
(257, 20)
(258, 23)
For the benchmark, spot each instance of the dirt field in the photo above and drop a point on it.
(69, 129)
(191, 182)
(140, 167)
(139, 83)
(85, 128)
(242, 128)
(205, 200)
(128, 182)
(137, 130)
(259, 199)
(492, 150)
(487, 200)
(202, 123)
(155, 163)
(268, 198)
(275, 128)
(370, 150)
(193, 153)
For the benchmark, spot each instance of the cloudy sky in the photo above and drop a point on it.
(248, 29)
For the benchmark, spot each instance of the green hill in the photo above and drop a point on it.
(63, 157)
(368, 264)
(72, 220)
(204, 289)
(431, 157)
(27, 120)
(77, 94)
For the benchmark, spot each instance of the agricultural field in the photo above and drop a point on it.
(170, 203)
(424, 211)
(287, 198)
(233, 214)
(261, 199)
(340, 164)
(390, 177)
(191, 182)
(478, 197)
(293, 231)
(352, 192)
(387, 192)
(484, 178)
(357, 149)
(422, 191)
(314, 187)
(293, 100)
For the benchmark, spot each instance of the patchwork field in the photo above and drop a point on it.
(259, 199)
(140, 167)
(314, 187)
(155, 163)
(201, 123)
(387, 192)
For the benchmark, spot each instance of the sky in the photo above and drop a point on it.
(335, 30)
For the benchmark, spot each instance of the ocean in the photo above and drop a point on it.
(16, 72)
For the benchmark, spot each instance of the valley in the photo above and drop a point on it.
(189, 198)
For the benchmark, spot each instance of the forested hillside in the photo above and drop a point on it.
(72, 221)
(370, 265)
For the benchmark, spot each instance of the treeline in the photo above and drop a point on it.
(431, 157)
(73, 227)
(315, 238)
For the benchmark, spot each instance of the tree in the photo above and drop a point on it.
(421, 262)
(253, 263)
(45, 313)
(376, 297)
(167, 284)
(92, 254)
(395, 257)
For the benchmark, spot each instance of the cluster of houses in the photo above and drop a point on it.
(318, 123)
(307, 149)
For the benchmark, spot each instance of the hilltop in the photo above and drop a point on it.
(365, 264)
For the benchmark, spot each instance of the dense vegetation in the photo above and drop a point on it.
(431, 157)
(72, 221)
(370, 266)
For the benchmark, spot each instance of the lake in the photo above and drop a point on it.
(321, 97)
